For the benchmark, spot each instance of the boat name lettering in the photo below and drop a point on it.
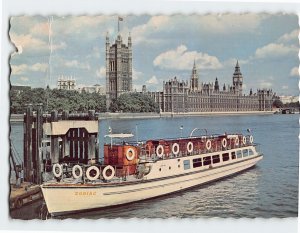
(85, 193)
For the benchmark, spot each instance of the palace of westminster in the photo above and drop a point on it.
(182, 96)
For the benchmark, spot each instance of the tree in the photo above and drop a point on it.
(61, 100)
(277, 103)
(134, 102)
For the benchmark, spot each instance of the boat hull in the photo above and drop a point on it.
(62, 199)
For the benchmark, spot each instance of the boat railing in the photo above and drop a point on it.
(146, 157)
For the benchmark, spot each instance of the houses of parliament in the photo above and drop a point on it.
(179, 96)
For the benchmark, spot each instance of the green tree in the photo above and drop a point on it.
(134, 102)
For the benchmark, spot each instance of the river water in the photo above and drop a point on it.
(270, 189)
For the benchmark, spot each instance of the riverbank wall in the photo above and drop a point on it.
(109, 115)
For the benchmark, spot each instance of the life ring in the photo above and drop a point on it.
(208, 144)
(55, 172)
(237, 141)
(224, 142)
(92, 177)
(106, 177)
(175, 148)
(159, 151)
(190, 147)
(77, 167)
(251, 139)
(130, 154)
(244, 140)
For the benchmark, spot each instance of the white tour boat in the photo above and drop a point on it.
(137, 171)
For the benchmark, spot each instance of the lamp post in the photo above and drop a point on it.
(181, 128)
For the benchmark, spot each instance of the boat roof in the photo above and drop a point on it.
(120, 135)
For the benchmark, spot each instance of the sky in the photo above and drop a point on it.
(164, 46)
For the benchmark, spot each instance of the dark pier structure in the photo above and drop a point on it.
(49, 139)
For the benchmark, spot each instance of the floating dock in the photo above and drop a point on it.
(23, 195)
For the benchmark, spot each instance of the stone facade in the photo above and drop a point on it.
(118, 68)
(183, 96)
(66, 83)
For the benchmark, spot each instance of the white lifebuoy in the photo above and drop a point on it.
(130, 154)
(92, 177)
(77, 167)
(159, 151)
(106, 177)
(244, 140)
(175, 148)
(60, 170)
(190, 147)
(251, 139)
(208, 144)
(224, 142)
(237, 141)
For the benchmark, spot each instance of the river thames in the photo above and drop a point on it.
(270, 189)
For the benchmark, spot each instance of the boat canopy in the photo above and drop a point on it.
(120, 135)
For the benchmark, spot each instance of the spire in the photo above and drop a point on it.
(129, 40)
(107, 37)
(237, 78)
(237, 67)
(194, 78)
(216, 85)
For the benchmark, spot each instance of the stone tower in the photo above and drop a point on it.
(237, 79)
(217, 85)
(194, 84)
(118, 68)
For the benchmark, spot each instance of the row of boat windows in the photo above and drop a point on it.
(214, 159)
(199, 162)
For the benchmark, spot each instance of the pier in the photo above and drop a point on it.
(49, 139)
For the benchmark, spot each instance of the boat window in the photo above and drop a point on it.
(207, 160)
(186, 164)
(239, 154)
(233, 156)
(251, 152)
(216, 158)
(245, 152)
(197, 162)
(225, 157)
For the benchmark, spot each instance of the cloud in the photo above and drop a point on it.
(152, 80)
(285, 87)
(101, 72)
(265, 84)
(77, 64)
(230, 23)
(288, 37)
(24, 68)
(156, 23)
(213, 23)
(41, 29)
(294, 71)
(31, 44)
(182, 59)
(275, 50)
(24, 79)
(136, 74)
(85, 25)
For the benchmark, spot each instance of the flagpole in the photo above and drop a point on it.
(118, 25)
